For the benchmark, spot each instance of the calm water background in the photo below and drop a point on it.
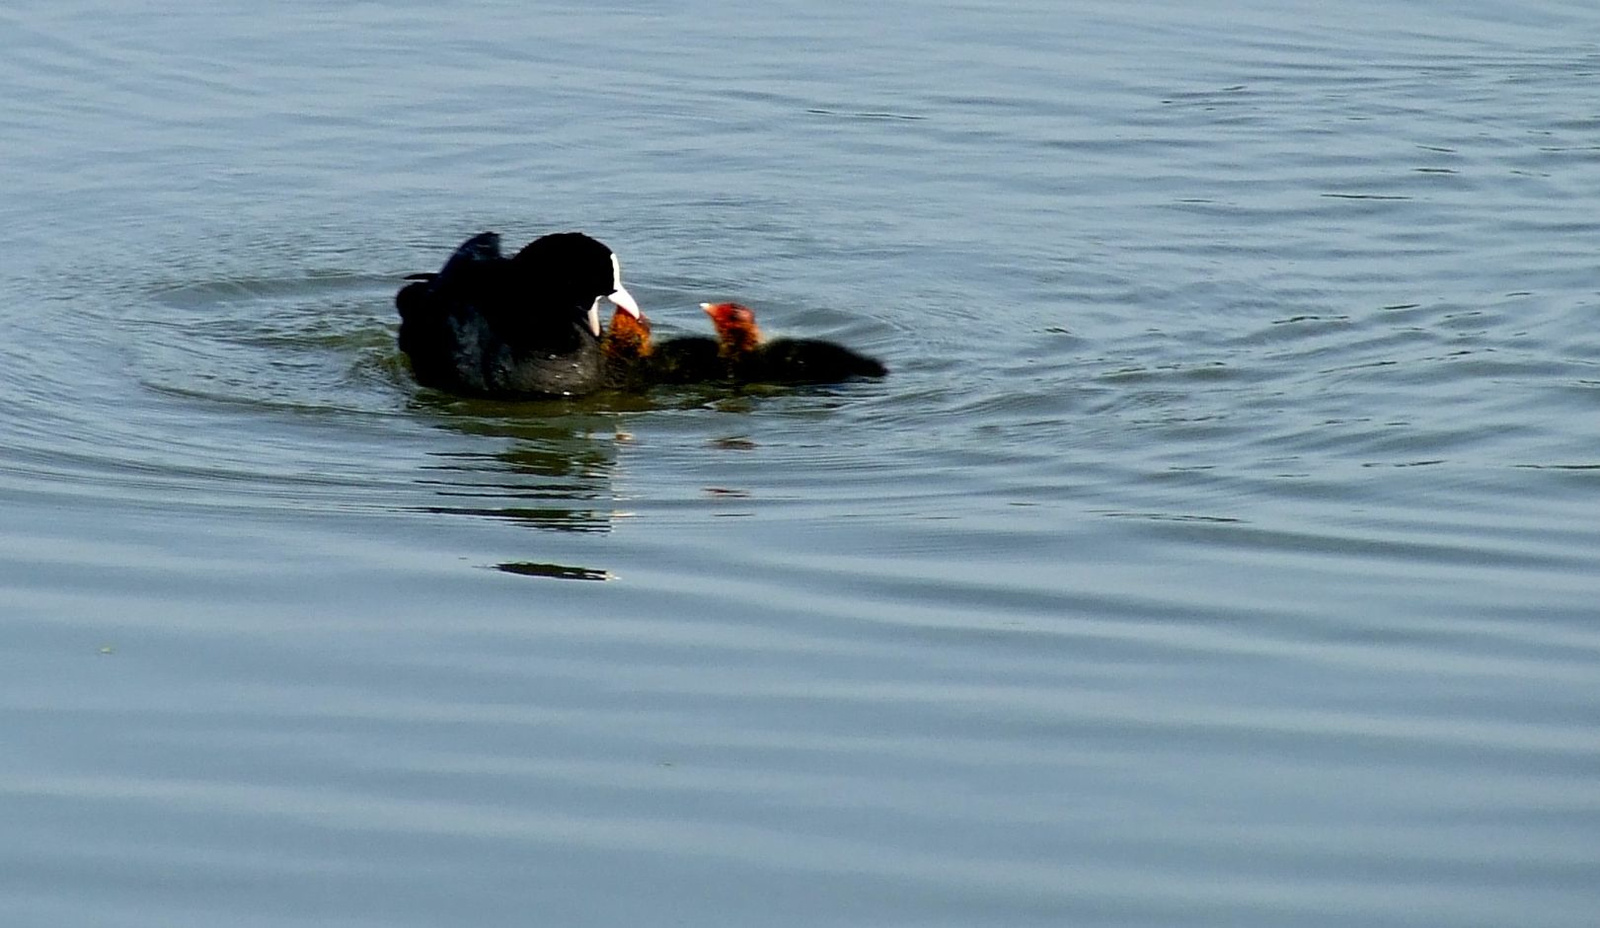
(1224, 549)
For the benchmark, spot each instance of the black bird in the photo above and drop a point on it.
(635, 362)
(752, 359)
(524, 326)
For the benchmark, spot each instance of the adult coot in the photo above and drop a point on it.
(523, 326)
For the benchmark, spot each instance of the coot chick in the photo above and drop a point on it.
(634, 362)
(518, 327)
(782, 360)
(626, 348)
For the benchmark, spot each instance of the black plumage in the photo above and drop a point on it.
(522, 326)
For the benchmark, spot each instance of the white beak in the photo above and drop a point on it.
(593, 317)
(622, 299)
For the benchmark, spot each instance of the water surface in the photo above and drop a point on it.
(1222, 550)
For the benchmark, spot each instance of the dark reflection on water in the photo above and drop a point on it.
(567, 474)
(553, 571)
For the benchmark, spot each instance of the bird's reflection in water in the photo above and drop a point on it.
(549, 472)
(555, 571)
(545, 465)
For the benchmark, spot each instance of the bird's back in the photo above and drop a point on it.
(807, 360)
(486, 325)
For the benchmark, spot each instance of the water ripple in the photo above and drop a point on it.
(1221, 549)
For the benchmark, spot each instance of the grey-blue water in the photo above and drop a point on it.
(1223, 550)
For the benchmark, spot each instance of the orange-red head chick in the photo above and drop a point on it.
(628, 338)
(736, 328)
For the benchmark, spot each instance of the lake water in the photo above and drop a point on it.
(1224, 548)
